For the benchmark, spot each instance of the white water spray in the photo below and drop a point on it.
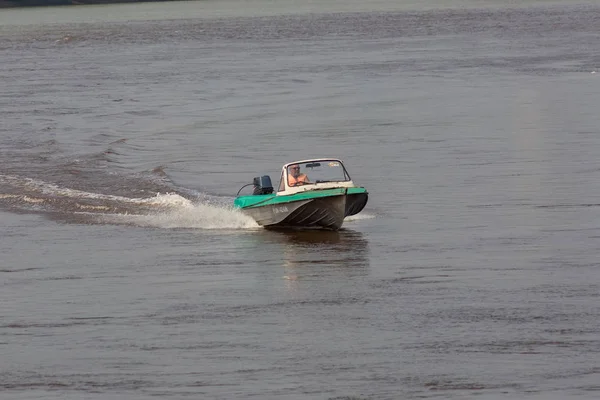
(165, 210)
(183, 213)
(359, 216)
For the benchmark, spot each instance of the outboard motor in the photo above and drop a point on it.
(262, 185)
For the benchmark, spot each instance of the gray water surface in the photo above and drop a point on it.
(473, 272)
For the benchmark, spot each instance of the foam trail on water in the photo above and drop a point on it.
(54, 190)
(183, 213)
(165, 210)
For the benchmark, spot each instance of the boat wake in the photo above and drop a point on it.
(161, 210)
(191, 215)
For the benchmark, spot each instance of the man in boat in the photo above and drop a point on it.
(295, 178)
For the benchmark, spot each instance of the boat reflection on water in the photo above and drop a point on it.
(316, 254)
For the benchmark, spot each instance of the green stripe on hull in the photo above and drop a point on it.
(270, 199)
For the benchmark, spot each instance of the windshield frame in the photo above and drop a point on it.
(284, 184)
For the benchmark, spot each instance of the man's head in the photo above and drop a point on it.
(294, 170)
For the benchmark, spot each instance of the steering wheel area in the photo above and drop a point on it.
(300, 183)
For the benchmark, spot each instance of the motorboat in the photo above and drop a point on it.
(316, 193)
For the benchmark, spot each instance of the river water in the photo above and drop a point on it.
(473, 272)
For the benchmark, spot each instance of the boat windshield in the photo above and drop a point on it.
(312, 172)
